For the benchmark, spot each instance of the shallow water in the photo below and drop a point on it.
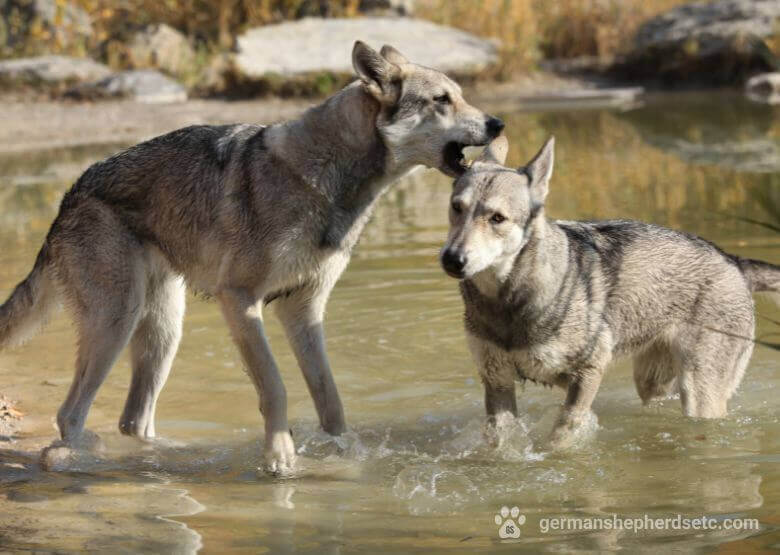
(413, 473)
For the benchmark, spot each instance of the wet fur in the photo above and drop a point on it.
(561, 305)
(247, 214)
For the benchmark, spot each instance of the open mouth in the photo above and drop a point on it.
(454, 161)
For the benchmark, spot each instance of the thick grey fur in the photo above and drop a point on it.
(246, 214)
(556, 301)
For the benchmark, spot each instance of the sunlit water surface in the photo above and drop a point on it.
(413, 472)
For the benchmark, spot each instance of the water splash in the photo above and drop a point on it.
(431, 488)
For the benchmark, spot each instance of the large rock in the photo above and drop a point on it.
(160, 46)
(31, 26)
(325, 45)
(718, 42)
(141, 85)
(50, 71)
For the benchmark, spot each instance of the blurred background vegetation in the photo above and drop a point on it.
(528, 30)
(532, 30)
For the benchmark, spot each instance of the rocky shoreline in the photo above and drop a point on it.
(40, 123)
(724, 42)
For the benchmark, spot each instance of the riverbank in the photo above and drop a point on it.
(37, 123)
(158, 57)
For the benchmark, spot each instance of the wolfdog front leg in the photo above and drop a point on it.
(243, 313)
(499, 399)
(501, 408)
(583, 387)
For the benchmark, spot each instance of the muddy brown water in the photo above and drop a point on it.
(412, 474)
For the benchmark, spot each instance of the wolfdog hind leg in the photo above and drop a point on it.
(301, 315)
(153, 348)
(655, 374)
(102, 272)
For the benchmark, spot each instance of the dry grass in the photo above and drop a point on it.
(211, 25)
(513, 22)
(600, 28)
(533, 29)
(215, 22)
(528, 30)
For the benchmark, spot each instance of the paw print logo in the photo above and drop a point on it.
(509, 523)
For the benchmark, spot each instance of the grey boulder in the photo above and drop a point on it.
(50, 70)
(717, 42)
(142, 85)
(325, 45)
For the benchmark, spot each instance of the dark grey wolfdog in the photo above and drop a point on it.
(247, 214)
(556, 301)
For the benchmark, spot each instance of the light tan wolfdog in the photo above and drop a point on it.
(556, 302)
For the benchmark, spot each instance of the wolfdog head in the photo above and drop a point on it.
(491, 210)
(423, 118)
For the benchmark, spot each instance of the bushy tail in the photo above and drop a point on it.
(762, 277)
(25, 311)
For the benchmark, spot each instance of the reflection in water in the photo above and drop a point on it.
(718, 128)
(413, 472)
(194, 541)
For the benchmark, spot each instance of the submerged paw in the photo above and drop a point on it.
(73, 455)
(280, 458)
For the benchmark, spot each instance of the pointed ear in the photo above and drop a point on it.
(496, 151)
(392, 55)
(379, 76)
(539, 170)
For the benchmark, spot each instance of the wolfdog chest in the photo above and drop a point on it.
(540, 343)
(512, 335)
(511, 324)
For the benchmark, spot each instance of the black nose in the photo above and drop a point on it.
(453, 262)
(494, 126)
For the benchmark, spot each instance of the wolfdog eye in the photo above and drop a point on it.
(497, 218)
(442, 99)
(457, 207)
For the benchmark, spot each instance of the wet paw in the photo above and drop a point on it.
(561, 439)
(500, 429)
(509, 523)
(279, 456)
(571, 433)
(80, 453)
